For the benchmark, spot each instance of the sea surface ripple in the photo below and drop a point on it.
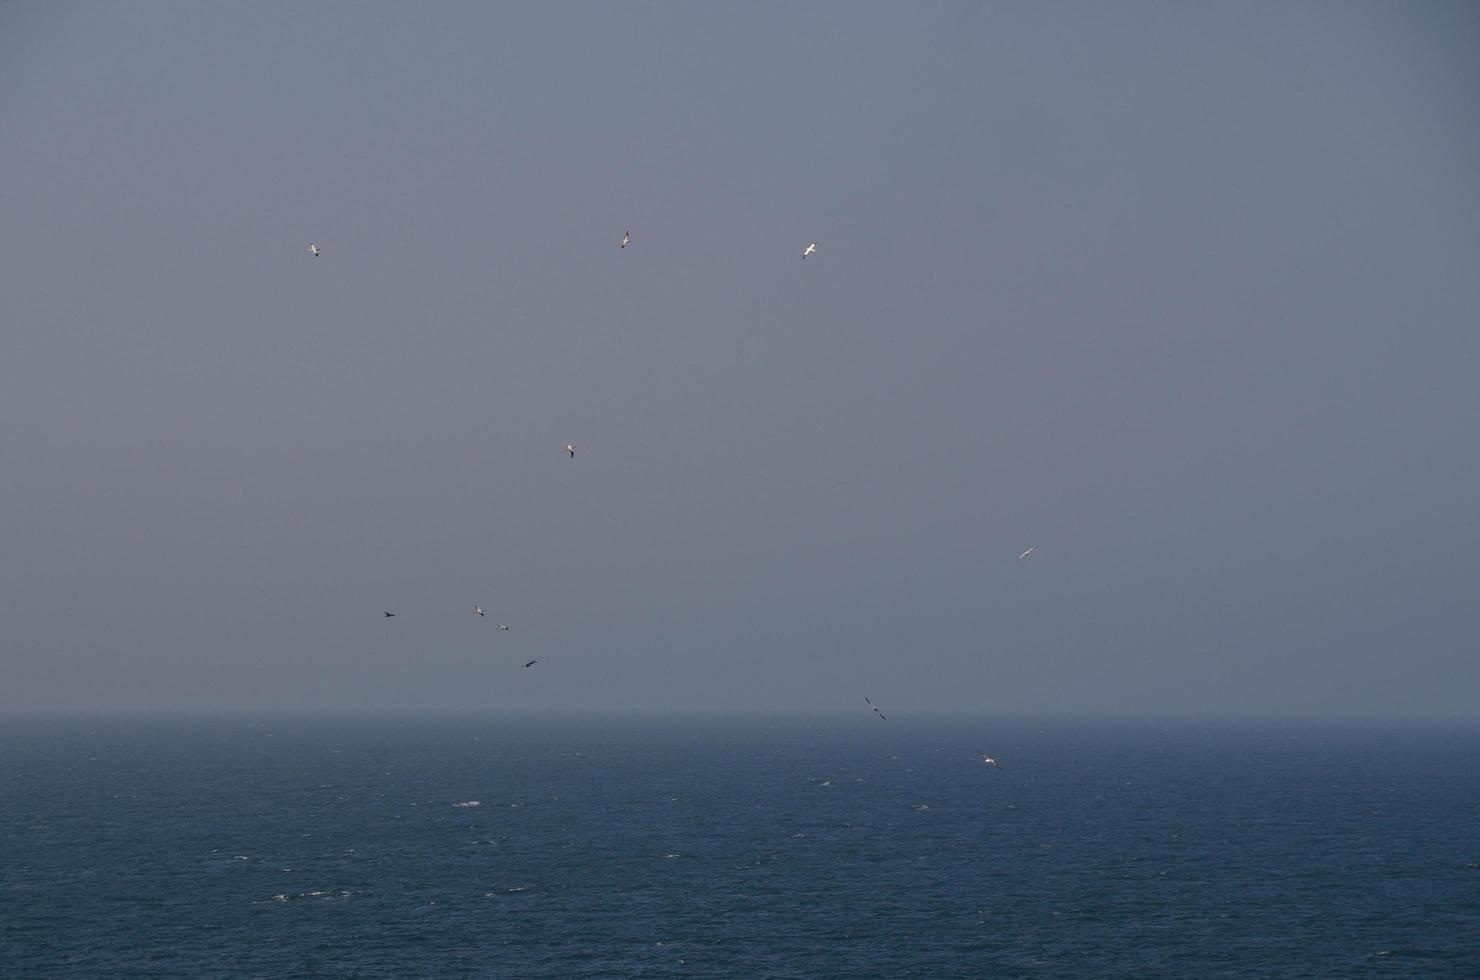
(734, 846)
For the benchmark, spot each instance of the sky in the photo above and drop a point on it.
(1184, 296)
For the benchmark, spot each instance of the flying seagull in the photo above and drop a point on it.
(504, 628)
(531, 663)
(626, 238)
(1026, 553)
(809, 250)
(572, 450)
(389, 615)
(479, 611)
(988, 759)
(313, 249)
(876, 710)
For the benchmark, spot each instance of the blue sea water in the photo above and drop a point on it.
(764, 846)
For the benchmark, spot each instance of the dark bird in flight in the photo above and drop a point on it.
(876, 710)
(531, 663)
(389, 615)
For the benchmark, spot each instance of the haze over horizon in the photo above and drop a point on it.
(1184, 298)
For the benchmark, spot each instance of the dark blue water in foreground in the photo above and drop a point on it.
(737, 847)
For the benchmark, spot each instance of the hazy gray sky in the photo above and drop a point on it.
(1184, 295)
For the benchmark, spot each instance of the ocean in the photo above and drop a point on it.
(737, 846)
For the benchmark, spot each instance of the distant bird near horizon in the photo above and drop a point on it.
(876, 709)
(531, 663)
(988, 759)
(1026, 553)
(313, 249)
(809, 250)
(504, 628)
(570, 448)
(626, 238)
(389, 615)
(479, 611)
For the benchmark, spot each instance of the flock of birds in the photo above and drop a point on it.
(570, 448)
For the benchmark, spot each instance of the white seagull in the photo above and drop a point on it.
(313, 249)
(988, 759)
(809, 250)
(1026, 553)
(504, 628)
(479, 611)
(572, 450)
(626, 238)
(876, 709)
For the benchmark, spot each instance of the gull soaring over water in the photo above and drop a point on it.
(626, 238)
(876, 710)
(572, 450)
(313, 249)
(988, 759)
(479, 611)
(504, 628)
(809, 250)
(1026, 553)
